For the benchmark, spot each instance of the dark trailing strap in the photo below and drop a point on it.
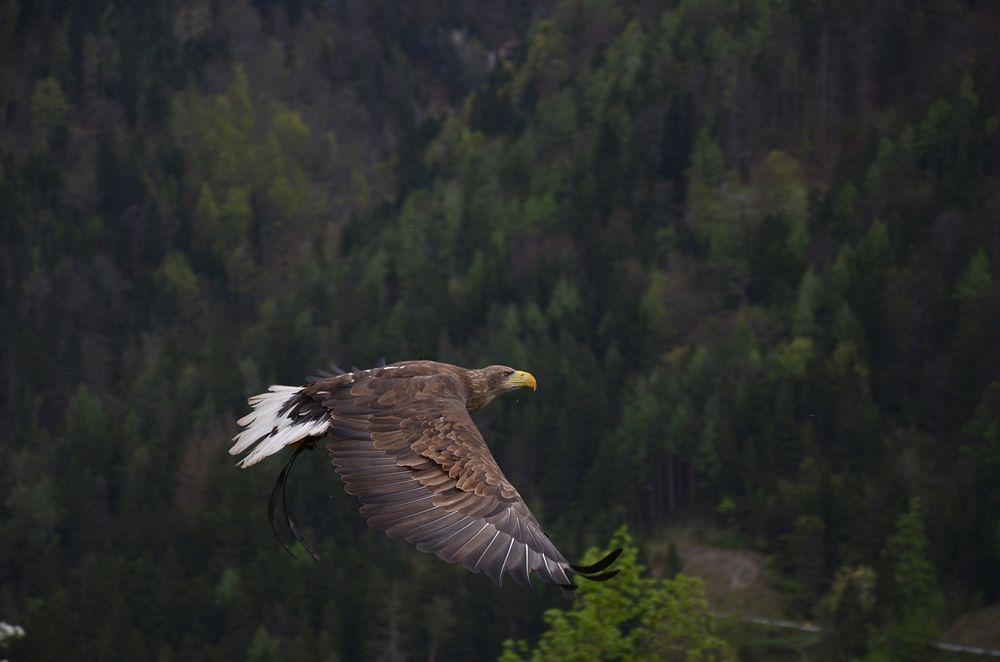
(603, 577)
(291, 525)
(279, 484)
(281, 481)
(599, 566)
(590, 572)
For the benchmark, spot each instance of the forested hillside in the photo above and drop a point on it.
(750, 250)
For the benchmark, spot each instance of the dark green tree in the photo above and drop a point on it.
(918, 604)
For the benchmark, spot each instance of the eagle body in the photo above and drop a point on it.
(402, 440)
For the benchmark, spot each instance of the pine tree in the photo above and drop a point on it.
(630, 617)
(918, 601)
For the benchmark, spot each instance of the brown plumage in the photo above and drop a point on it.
(403, 442)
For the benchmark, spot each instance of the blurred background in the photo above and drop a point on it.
(750, 250)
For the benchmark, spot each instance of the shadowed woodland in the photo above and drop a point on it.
(751, 251)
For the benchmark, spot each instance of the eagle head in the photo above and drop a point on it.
(495, 380)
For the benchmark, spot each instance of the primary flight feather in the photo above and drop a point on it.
(402, 440)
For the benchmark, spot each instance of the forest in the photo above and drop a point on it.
(749, 248)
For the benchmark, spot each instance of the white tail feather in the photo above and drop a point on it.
(270, 431)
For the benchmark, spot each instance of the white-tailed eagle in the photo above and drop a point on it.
(402, 440)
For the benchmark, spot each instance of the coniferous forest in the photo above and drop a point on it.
(750, 249)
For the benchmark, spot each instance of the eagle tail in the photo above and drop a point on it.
(276, 421)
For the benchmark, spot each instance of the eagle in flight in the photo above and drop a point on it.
(402, 440)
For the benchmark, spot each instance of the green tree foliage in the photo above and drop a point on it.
(49, 109)
(981, 459)
(631, 618)
(918, 602)
(849, 610)
(978, 298)
(751, 256)
(717, 212)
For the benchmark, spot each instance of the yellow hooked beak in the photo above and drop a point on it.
(522, 379)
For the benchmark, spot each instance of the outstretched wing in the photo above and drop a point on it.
(409, 451)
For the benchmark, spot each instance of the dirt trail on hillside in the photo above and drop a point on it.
(735, 580)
